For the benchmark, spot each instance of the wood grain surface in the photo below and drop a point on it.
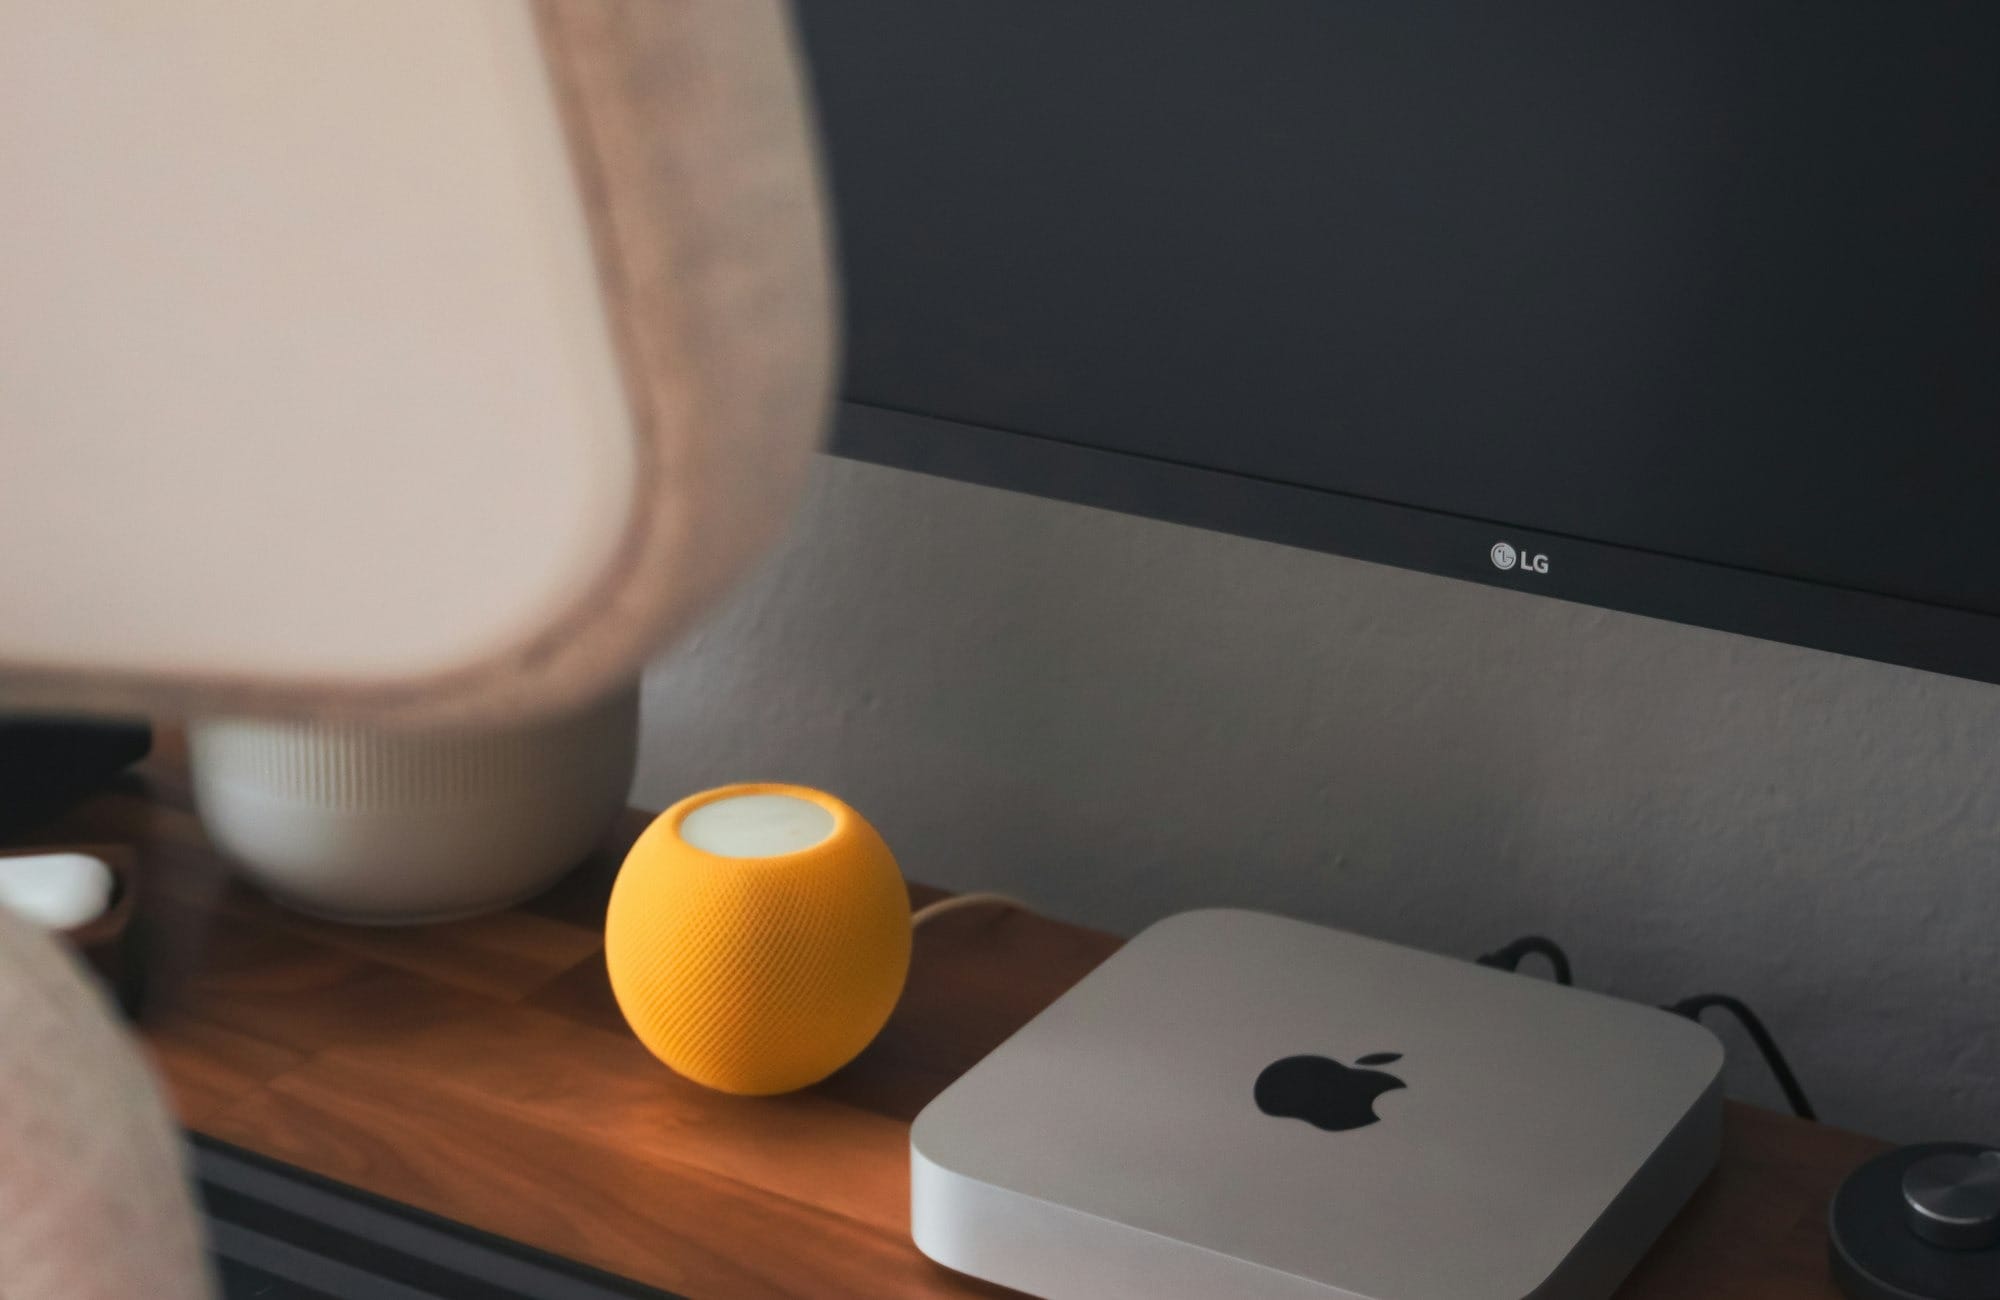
(480, 1070)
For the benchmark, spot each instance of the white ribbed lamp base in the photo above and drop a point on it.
(389, 828)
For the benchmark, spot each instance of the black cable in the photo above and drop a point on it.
(1780, 1068)
(1509, 958)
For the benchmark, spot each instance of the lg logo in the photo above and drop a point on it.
(1506, 557)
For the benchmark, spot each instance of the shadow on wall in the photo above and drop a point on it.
(1118, 719)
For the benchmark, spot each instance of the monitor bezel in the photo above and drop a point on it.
(1847, 621)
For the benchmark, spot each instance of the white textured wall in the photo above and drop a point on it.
(1118, 719)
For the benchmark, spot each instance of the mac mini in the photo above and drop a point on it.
(1242, 1105)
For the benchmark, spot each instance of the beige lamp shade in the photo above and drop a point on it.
(393, 360)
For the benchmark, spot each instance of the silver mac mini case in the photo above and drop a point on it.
(1242, 1105)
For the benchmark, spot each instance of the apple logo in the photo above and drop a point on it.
(1323, 1092)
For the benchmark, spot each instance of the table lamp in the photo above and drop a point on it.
(412, 367)
(399, 376)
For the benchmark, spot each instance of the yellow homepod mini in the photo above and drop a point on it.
(758, 937)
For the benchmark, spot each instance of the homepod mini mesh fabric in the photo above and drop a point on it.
(758, 975)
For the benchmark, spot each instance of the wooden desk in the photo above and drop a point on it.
(480, 1070)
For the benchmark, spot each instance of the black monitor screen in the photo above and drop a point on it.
(1695, 301)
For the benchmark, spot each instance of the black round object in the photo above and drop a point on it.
(1954, 1199)
(1889, 1215)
